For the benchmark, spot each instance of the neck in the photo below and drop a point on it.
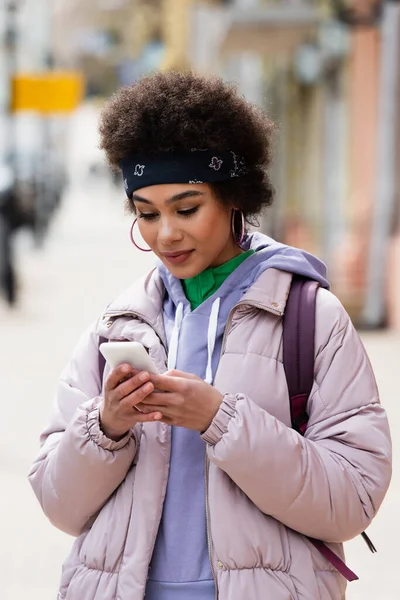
(230, 251)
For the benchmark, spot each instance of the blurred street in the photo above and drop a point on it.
(88, 259)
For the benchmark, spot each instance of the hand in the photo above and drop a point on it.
(123, 390)
(185, 400)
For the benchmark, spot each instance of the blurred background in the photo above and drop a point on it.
(327, 72)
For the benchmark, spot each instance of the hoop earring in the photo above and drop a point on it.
(133, 239)
(242, 230)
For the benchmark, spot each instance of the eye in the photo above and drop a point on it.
(147, 216)
(188, 211)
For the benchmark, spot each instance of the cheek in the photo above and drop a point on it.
(146, 231)
(212, 228)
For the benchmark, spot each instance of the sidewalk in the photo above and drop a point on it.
(88, 260)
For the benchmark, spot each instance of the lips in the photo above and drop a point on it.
(177, 257)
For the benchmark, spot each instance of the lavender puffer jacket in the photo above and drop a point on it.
(267, 487)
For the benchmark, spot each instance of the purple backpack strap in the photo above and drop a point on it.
(298, 347)
(298, 362)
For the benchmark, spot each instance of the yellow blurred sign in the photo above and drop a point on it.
(55, 92)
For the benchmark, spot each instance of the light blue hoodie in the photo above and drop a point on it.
(180, 567)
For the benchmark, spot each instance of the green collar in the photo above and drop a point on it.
(202, 286)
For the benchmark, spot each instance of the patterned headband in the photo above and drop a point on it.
(197, 166)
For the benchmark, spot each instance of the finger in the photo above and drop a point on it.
(137, 396)
(148, 409)
(132, 384)
(160, 399)
(147, 418)
(182, 374)
(167, 383)
(130, 374)
(114, 378)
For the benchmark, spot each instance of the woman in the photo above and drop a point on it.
(201, 489)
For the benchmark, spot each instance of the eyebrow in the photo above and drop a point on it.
(174, 198)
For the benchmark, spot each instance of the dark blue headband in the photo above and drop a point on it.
(197, 166)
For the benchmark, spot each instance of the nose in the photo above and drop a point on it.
(168, 232)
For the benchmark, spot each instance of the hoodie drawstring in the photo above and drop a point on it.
(211, 338)
(173, 345)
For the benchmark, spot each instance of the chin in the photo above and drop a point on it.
(185, 271)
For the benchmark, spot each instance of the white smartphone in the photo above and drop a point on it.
(132, 353)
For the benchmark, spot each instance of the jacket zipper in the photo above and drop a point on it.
(209, 543)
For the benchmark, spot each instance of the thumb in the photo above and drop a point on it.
(182, 374)
(168, 382)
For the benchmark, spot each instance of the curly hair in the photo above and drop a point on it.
(178, 111)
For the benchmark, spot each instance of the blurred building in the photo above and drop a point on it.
(113, 41)
(325, 70)
(326, 73)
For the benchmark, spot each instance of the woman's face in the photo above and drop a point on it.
(185, 226)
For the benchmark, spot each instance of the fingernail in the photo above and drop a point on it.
(148, 387)
(143, 376)
(157, 417)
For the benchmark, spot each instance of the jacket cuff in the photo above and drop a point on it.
(219, 425)
(97, 436)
